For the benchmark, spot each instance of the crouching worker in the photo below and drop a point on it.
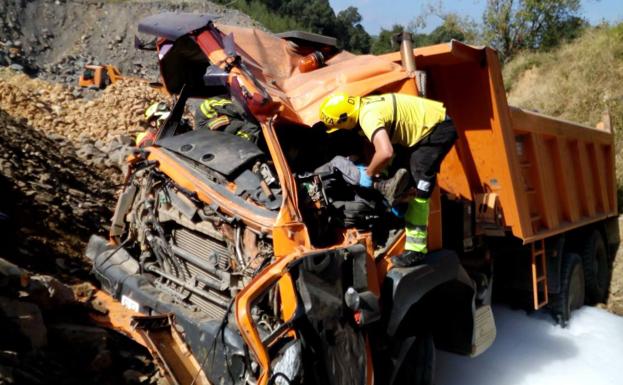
(223, 114)
(421, 126)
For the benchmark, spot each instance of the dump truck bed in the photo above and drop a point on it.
(546, 175)
(566, 173)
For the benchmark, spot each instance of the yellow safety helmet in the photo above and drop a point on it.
(340, 111)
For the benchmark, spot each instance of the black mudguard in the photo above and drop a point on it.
(437, 295)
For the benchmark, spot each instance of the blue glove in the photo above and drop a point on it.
(364, 179)
(399, 210)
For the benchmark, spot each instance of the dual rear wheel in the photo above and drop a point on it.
(596, 268)
(584, 277)
(572, 288)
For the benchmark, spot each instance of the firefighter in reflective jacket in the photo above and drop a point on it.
(223, 114)
(417, 125)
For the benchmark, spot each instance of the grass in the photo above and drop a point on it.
(578, 81)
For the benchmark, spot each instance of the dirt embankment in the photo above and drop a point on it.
(62, 150)
(54, 109)
(61, 158)
(615, 299)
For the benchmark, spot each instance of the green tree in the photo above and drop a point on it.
(383, 43)
(354, 36)
(454, 27)
(308, 15)
(513, 25)
(318, 16)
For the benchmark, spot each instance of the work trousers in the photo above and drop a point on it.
(424, 160)
(346, 167)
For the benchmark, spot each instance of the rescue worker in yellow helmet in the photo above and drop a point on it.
(155, 115)
(417, 124)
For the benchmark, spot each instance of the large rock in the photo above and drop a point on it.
(28, 319)
(48, 292)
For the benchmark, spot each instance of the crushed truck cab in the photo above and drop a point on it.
(253, 267)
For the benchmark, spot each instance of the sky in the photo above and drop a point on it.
(382, 13)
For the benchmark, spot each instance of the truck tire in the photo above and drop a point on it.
(572, 288)
(419, 368)
(596, 271)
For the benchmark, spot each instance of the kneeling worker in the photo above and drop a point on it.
(418, 124)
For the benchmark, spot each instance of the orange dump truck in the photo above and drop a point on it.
(235, 260)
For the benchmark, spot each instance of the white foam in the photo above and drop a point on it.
(532, 350)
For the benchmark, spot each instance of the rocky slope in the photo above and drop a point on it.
(56, 38)
(52, 201)
(100, 129)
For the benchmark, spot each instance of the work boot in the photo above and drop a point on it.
(394, 186)
(408, 258)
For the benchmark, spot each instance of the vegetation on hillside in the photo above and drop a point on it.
(308, 15)
(578, 81)
(512, 26)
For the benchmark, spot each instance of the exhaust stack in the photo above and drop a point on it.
(405, 39)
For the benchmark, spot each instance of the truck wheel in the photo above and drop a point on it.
(419, 365)
(572, 290)
(596, 271)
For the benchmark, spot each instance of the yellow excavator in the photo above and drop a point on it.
(99, 76)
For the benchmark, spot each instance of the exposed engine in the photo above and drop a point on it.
(196, 255)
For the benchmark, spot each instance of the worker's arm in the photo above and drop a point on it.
(383, 152)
